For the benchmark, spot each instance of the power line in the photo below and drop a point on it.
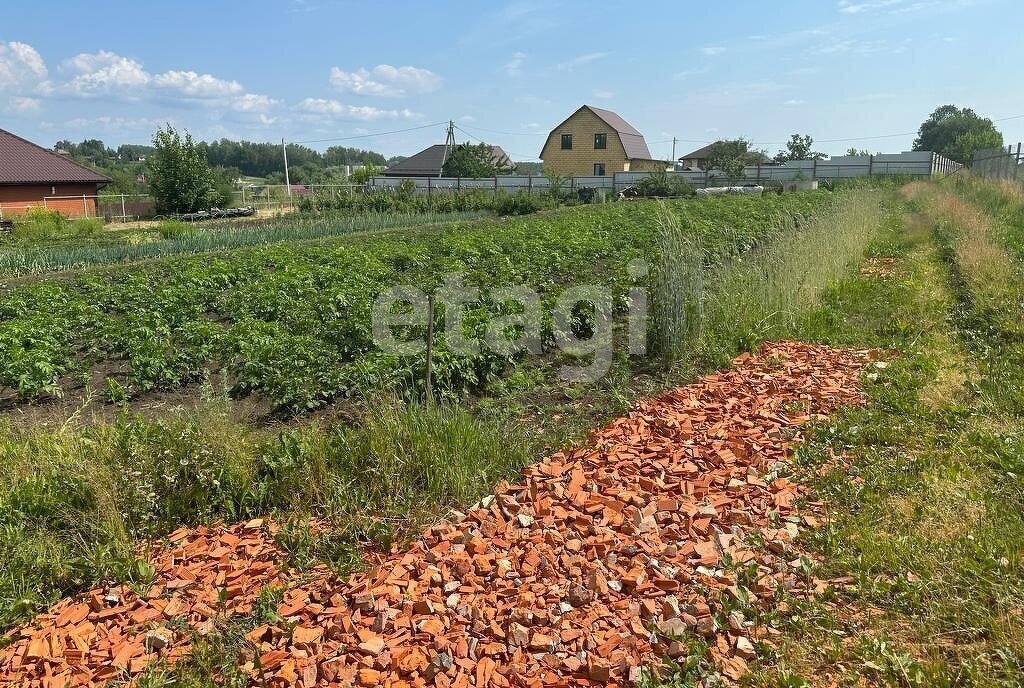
(507, 133)
(521, 155)
(378, 133)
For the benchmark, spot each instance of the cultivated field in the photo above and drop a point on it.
(205, 454)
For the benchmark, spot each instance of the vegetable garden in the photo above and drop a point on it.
(292, 322)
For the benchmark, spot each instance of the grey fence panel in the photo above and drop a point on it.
(999, 163)
(910, 163)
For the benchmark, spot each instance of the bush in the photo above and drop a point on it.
(42, 224)
(660, 185)
(172, 229)
(39, 224)
(86, 226)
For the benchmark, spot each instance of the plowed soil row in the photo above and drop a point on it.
(595, 563)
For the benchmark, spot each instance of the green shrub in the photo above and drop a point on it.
(40, 224)
(660, 185)
(86, 226)
(172, 229)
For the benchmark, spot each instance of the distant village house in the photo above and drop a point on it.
(33, 176)
(597, 142)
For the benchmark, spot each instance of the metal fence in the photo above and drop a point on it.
(276, 197)
(999, 163)
(911, 164)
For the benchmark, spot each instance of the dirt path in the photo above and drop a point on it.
(676, 520)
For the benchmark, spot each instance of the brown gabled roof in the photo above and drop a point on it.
(430, 162)
(700, 153)
(23, 162)
(632, 140)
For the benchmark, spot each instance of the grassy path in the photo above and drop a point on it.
(929, 527)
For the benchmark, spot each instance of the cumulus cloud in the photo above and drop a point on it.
(385, 80)
(109, 74)
(334, 109)
(21, 67)
(711, 50)
(104, 73)
(195, 85)
(253, 102)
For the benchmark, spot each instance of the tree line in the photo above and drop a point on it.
(229, 160)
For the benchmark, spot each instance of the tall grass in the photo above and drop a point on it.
(705, 311)
(73, 502)
(17, 260)
(762, 295)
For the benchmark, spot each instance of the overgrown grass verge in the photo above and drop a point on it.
(926, 492)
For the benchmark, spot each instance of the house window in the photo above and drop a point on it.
(600, 141)
(566, 141)
(598, 169)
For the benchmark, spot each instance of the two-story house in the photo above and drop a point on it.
(597, 142)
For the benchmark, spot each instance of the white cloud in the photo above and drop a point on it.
(104, 72)
(195, 85)
(385, 80)
(514, 66)
(581, 60)
(253, 102)
(603, 94)
(712, 50)
(794, 101)
(21, 67)
(107, 73)
(24, 104)
(115, 123)
(334, 109)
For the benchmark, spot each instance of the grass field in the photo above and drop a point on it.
(923, 485)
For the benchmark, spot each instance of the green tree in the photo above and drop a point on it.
(180, 177)
(468, 160)
(342, 155)
(730, 156)
(956, 133)
(854, 151)
(798, 148)
(363, 174)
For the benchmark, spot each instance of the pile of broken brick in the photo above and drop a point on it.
(597, 563)
(115, 632)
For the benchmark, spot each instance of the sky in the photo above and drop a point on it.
(332, 72)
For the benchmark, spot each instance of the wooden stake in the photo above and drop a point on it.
(430, 349)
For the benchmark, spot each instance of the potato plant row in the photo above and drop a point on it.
(292, 322)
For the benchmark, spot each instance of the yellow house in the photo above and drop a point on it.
(596, 142)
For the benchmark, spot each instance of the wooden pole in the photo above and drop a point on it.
(430, 350)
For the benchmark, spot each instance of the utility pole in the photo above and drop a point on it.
(674, 140)
(287, 179)
(449, 146)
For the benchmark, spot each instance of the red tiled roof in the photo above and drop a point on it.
(23, 162)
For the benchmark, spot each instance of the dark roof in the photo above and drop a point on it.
(700, 153)
(23, 162)
(429, 162)
(632, 140)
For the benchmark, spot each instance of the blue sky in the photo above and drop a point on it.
(310, 70)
